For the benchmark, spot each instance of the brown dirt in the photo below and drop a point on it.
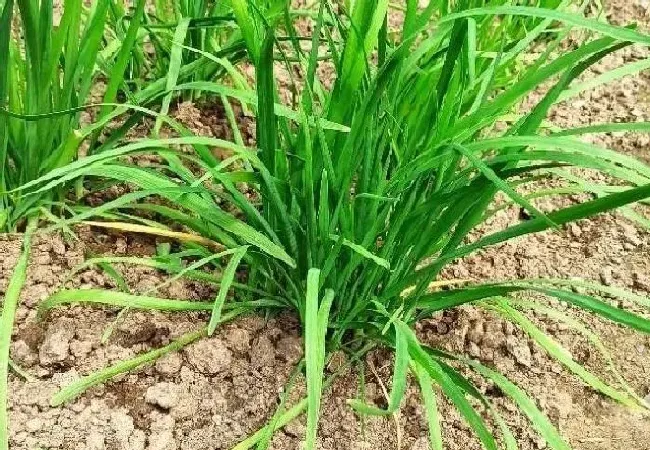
(219, 390)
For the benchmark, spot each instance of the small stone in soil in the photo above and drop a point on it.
(33, 425)
(641, 281)
(295, 428)
(169, 364)
(22, 354)
(163, 394)
(476, 333)
(209, 356)
(56, 345)
(421, 444)
(290, 349)
(575, 230)
(474, 350)
(95, 441)
(238, 340)
(80, 348)
(519, 350)
(606, 276)
(122, 425)
(263, 353)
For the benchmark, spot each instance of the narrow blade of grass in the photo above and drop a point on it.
(584, 330)
(501, 184)
(316, 322)
(359, 249)
(431, 408)
(135, 228)
(286, 417)
(175, 61)
(538, 420)
(561, 217)
(9, 306)
(119, 299)
(623, 34)
(117, 72)
(226, 280)
(450, 388)
(562, 355)
(400, 372)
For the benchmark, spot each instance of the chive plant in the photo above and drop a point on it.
(193, 40)
(368, 191)
(49, 72)
(43, 69)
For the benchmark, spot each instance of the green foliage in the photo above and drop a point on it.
(195, 40)
(43, 69)
(47, 74)
(48, 71)
(365, 193)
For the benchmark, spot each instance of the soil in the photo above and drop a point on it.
(218, 391)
